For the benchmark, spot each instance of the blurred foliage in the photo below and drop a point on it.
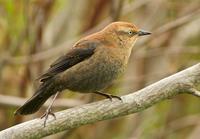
(35, 32)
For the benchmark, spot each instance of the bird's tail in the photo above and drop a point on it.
(45, 90)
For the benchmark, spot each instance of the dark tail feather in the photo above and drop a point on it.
(37, 100)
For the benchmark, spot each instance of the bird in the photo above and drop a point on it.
(90, 66)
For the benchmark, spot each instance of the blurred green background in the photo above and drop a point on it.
(33, 33)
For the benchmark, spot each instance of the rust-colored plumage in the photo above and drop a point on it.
(90, 66)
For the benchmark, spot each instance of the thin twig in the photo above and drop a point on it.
(11, 101)
(63, 47)
(175, 24)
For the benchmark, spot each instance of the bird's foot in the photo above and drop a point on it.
(113, 96)
(110, 96)
(46, 115)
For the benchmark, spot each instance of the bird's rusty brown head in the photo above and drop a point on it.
(126, 32)
(125, 29)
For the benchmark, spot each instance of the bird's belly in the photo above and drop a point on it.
(91, 75)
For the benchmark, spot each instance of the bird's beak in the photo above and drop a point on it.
(142, 33)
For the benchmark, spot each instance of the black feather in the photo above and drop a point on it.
(80, 52)
(38, 99)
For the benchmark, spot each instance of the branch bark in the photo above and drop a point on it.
(186, 81)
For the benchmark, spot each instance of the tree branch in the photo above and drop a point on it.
(11, 101)
(187, 81)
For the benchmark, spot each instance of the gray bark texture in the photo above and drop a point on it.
(186, 81)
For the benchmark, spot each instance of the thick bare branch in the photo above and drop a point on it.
(182, 82)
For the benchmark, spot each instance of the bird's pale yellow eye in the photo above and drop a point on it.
(131, 33)
(128, 33)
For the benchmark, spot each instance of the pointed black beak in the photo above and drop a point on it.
(142, 33)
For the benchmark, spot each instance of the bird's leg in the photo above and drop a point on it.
(48, 110)
(110, 96)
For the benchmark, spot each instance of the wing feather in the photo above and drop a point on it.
(80, 52)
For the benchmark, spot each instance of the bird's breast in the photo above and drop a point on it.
(93, 74)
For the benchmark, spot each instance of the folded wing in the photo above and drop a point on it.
(80, 52)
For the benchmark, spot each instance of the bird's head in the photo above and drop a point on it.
(124, 33)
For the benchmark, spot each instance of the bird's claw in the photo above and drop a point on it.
(110, 96)
(113, 96)
(46, 115)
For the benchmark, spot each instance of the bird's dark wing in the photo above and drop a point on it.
(81, 51)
